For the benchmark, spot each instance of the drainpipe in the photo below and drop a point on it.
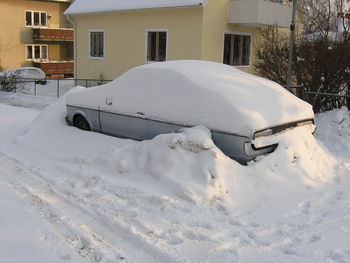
(291, 45)
(74, 45)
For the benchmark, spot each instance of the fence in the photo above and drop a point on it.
(322, 101)
(48, 87)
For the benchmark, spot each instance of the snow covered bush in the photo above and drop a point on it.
(7, 81)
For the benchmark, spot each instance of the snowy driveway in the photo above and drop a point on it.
(83, 197)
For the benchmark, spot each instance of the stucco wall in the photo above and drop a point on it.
(215, 24)
(13, 32)
(125, 38)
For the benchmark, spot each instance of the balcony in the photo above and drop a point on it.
(51, 34)
(56, 67)
(260, 13)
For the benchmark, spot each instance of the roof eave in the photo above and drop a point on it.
(129, 10)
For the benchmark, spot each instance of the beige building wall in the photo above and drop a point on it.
(215, 25)
(125, 38)
(14, 34)
(193, 33)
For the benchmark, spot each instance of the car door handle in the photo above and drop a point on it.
(108, 101)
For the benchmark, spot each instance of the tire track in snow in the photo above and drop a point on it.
(90, 234)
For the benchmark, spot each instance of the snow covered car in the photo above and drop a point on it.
(165, 97)
(25, 74)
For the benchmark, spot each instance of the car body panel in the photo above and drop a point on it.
(155, 128)
(140, 128)
(123, 126)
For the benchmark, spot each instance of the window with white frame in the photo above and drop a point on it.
(156, 45)
(237, 49)
(36, 52)
(36, 19)
(97, 44)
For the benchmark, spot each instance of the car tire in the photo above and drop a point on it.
(41, 82)
(81, 123)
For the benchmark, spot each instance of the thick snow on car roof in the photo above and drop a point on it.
(218, 96)
(93, 6)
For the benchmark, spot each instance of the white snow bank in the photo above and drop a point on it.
(49, 133)
(180, 195)
(334, 130)
(188, 163)
(93, 6)
(298, 159)
(215, 95)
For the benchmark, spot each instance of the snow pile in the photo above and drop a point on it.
(298, 158)
(50, 134)
(188, 163)
(91, 6)
(183, 163)
(334, 130)
(180, 199)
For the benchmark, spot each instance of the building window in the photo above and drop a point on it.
(43, 19)
(36, 52)
(156, 46)
(96, 44)
(237, 50)
(36, 19)
(28, 18)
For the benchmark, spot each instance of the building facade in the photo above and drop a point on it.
(36, 33)
(112, 38)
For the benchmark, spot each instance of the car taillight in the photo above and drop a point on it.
(266, 132)
(281, 128)
(309, 122)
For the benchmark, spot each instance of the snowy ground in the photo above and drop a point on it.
(74, 196)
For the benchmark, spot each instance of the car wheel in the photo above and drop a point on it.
(81, 123)
(41, 82)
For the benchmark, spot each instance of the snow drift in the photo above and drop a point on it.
(188, 164)
(182, 200)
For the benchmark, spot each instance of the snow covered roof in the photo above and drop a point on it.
(93, 6)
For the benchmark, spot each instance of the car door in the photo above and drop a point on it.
(155, 127)
(116, 123)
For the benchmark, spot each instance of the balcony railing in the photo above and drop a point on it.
(260, 12)
(56, 67)
(52, 34)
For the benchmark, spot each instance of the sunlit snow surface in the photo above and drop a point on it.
(175, 198)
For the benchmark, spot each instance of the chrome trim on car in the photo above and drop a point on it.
(279, 128)
(160, 121)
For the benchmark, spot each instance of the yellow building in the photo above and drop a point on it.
(114, 36)
(36, 33)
